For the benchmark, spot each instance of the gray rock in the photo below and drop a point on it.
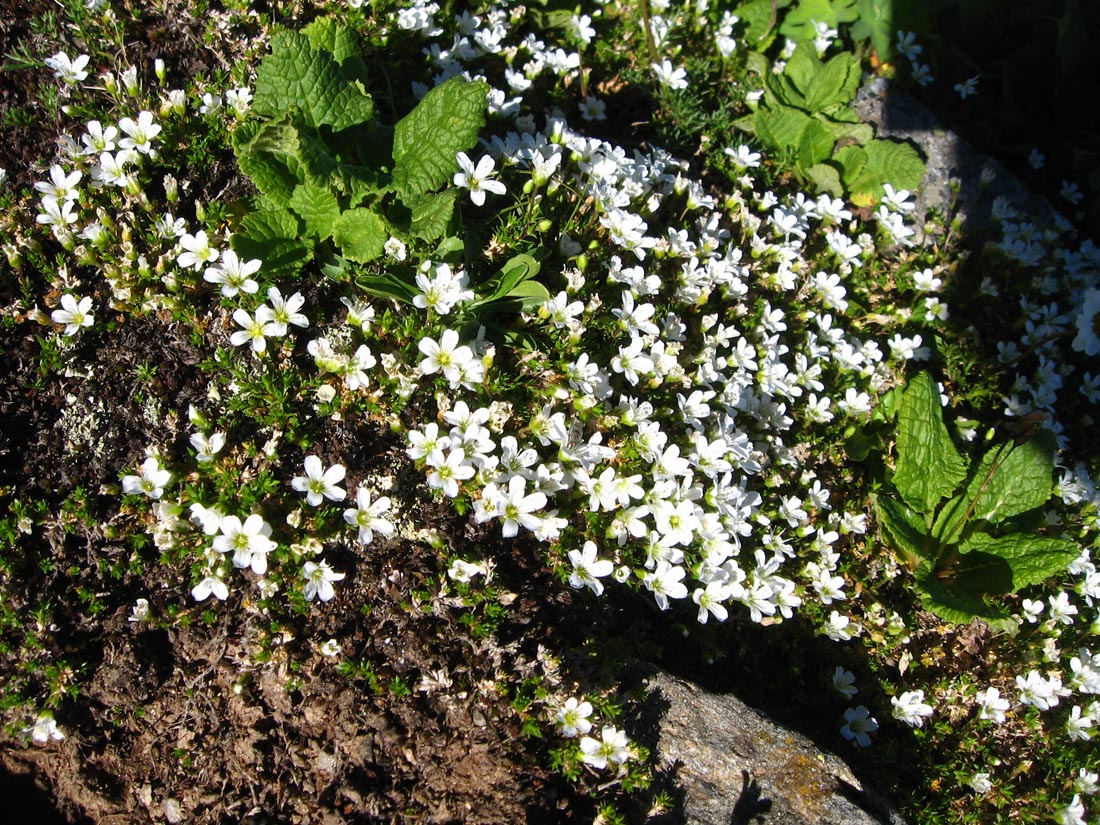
(734, 765)
(950, 160)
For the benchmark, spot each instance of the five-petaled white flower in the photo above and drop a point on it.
(197, 251)
(478, 179)
(249, 541)
(282, 311)
(150, 480)
(858, 723)
(911, 708)
(233, 274)
(319, 483)
(588, 569)
(367, 516)
(210, 584)
(73, 314)
(254, 330)
(573, 717)
(319, 578)
(612, 747)
(44, 729)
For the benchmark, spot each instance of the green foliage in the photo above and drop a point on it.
(968, 531)
(806, 117)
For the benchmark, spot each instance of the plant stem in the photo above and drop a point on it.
(644, 6)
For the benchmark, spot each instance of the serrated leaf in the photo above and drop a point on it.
(297, 75)
(835, 83)
(1032, 559)
(929, 467)
(825, 179)
(905, 529)
(947, 600)
(264, 152)
(951, 519)
(799, 73)
(272, 234)
(361, 235)
(890, 162)
(317, 207)
(427, 140)
(799, 24)
(876, 23)
(815, 144)
(847, 133)
(760, 17)
(338, 39)
(431, 215)
(1013, 479)
(780, 128)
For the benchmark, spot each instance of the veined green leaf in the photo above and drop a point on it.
(890, 162)
(929, 467)
(835, 83)
(782, 127)
(296, 74)
(1014, 478)
(431, 215)
(826, 179)
(945, 598)
(515, 271)
(361, 235)
(905, 529)
(273, 235)
(815, 144)
(318, 207)
(266, 152)
(426, 141)
(1032, 559)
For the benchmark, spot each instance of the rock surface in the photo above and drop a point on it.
(734, 765)
(950, 160)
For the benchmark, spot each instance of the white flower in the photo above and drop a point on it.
(1088, 324)
(845, 682)
(613, 747)
(282, 311)
(44, 729)
(60, 186)
(911, 708)
(211, 584)
(207, 447)
(249, 541)
(150, 480)
(992, 705)
(330, 648)
(1072, 814)
(233, 274)
(1077, 726)
(858, 723)
(254, 331)
(319, 578)
(69, 71)
(139, 612)
(463, 571)
(573, 717)
(140, 133)
(674, 77)
(980, 783)
(478, 179)
(588, 569)
(666, 582)
(73, 314)
(367, 516)
(319, 483)
(197, 251)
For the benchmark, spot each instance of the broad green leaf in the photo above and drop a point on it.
(887, 162)
(1032, 559)
(825, 179)
(799, 23)
(526, 296)
(515, 271)
(951, 519)
(1013, 479)
(361, 235)
(815, 144)
(876, 23)
(265, 152)
(946, 599)
(333, 36)
(801, 69)
(273, 235)
(297, 75)
(431, 215)
(426, 141)
(929, 467)
(834, 84)
(781, 128)
(905, 529)
(850, 160)
(760, 17)
(318, 207)
(847, 133)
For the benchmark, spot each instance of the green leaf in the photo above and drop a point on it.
(799, 73)
(516, 269)
(876, 23)
(526, 296)
(945, 598)
(265, 152)
(1013, 479)
(825, 179)
(929, 467)
(781, 128)
(318, 207)
(273, 235)
(335, 37)
(760, 17)
(297, 75)
(361, 235)
(847, 133)
(1032, 559)
(887, 162)
(386, 286)
(431, 215)
(426, 141)
(799, 23)
(905, 529)
(815, 144)
(835, 83)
